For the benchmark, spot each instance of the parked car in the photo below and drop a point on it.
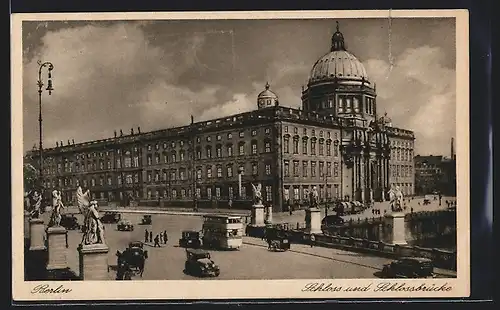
(190, 239)
(146, 220)
(409, 267)
(198, 263)
(111, 217)
(125, 225)
(69, 221)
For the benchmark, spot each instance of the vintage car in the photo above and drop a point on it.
(190, 239)
(198, 263)
(146, 220)
(277, 240)
(409, 267)
(111, 217)
(125, 225)
(132, 259)
(69, 221)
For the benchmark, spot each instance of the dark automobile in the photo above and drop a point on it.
(331, 221)
(146, 220)
(190, 239)
(132, 259)
(125, 225)
(111, 217)
(70, 222)
(409, 267)
(198, 263)
(277, 240)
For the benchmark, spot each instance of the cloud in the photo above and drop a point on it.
(109, 76)
(418, 94)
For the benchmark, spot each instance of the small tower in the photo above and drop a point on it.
(267, 98)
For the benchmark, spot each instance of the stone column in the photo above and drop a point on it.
(382, 185)
(362, 181)
(257, 216)
(313, 223)
(37, 232)
(93, 261)
(354, 178)
(269, 214)
(396, 234)
(56, 237)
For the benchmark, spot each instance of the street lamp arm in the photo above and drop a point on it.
(43, 65)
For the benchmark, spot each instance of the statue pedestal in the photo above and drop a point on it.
(395, 224)
(313, 221)
(269, 215)
(93, 261)
(257, 216)
(37, 232)
(56, 237)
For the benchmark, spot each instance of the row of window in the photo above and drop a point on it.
(208, 138)
(312, 167)
(216, 192)
(296, 194)
(311, 146)
(402, 154)
(129, 179)
(402, 171)
(346, 104)
(313, 132)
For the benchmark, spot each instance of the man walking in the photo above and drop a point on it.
(146, 236)
(150, 236)
(165, 237)
(157, 241)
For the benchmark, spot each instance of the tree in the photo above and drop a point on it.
(30, 177)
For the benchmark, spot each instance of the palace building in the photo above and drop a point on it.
(336, 141)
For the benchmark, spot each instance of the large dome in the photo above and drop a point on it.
(338, 63)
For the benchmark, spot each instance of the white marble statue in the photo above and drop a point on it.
(313, 197)
(57, 205)
(396, 198)
(257, 194)
(93, 231)
(35, 204)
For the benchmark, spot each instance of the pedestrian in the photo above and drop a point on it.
(150, 236)
(161, 237)
(230, 203)
(146, 236)
(165, 237)
(157, 241)
(313, 239)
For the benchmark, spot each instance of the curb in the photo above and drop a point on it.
(171, 212)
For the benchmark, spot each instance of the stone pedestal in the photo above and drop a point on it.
(257, 216)
(93, 261)
(56, 237)
(269, 214)
(37, 233)
(395, 228)
(313, 221)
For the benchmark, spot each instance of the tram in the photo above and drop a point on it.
(222, 231)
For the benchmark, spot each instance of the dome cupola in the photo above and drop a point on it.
(338, 64)
(267, 98)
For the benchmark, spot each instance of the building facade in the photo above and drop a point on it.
(336, 142)
(435, 174)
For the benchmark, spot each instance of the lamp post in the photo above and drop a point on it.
(50, 67)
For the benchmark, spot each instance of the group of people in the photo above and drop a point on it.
(162, 237)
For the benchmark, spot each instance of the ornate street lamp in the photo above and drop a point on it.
(49, 88)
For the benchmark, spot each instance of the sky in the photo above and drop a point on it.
(112, 75)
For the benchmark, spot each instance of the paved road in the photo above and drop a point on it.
(252, 261)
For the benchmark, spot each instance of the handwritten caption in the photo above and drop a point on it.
(386, 286)
(47, 289)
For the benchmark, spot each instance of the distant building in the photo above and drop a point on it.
(336, 142)
(436, 174)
